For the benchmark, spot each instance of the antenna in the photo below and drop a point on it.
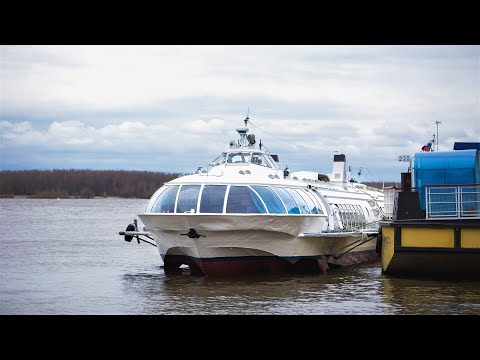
(437, 122)
(247, 118)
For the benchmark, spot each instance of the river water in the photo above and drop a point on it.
(65, 257)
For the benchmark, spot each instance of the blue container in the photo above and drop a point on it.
(459, 167)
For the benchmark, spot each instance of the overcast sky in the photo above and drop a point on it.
(174, 108)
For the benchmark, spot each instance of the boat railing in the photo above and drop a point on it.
(363, 226)
(452, 201)
(364, 187)
(389, 200)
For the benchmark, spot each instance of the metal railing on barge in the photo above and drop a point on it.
(453, 201)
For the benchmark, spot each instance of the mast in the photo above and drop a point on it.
(437, 122)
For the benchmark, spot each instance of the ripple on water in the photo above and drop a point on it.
(67, 258)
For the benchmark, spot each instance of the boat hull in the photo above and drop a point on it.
(431, 248)
(237, 266)
(245, 244)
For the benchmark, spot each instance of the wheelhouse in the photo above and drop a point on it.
(243, 157)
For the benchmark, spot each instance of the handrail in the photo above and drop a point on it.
(431, 185)
(389, 201)
(452, 201)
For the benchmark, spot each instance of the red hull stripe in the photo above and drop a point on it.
(229, 266)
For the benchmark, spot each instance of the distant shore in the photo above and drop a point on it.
(3, 196)
(92, 184)
(81, 184)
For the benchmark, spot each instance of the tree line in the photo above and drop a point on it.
(82, 183)
(91, 183)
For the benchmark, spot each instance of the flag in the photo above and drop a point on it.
(428, 146)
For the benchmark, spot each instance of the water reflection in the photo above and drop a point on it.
(430, 297)
(356, 290)
(336, 292)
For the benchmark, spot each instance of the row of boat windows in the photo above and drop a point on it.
(235, 199)
(351, 214)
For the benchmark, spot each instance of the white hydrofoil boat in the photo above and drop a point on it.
(244, 215)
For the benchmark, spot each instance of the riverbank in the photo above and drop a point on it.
(3, 196)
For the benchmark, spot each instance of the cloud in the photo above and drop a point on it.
(175, 107)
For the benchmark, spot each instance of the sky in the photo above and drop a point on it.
(174, 108)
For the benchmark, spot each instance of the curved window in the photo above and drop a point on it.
(368, 212)
(342, 214)
(350, 213)
(154, 198)
(302, 205)
(236, 158)
(362, 215)
(212, 199)
(188, 198)
(290, 204)
(324, 202)
(273, 202)
(358, 216)
(318, 206)
(353, 213)
(336, 210)
(220, 159)
(308, 200)
(257, 159)
(261, 159)
(243, 200)
(166, 201)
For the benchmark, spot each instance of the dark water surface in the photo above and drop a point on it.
(66, 257)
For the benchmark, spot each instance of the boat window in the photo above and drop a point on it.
(324, 202)
(212, 199)
(368, 212)
(271, 199)
(243, 200)
(342, 214)
(345, 214)
(220, 159)
(188, 198)
(362, 214)
(261, 159)
(356, 215)
(302, 205)
(238, 158)
(154, 197)
(336, 210)
(256, 159)
(351, 214)
(315, 200)
(166, 201)
(269, 162)
(290, 204)
(358, 218)
(348, 216)
(308, 200)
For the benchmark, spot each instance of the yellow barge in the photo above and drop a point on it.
(434, 229)
(431, 247)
